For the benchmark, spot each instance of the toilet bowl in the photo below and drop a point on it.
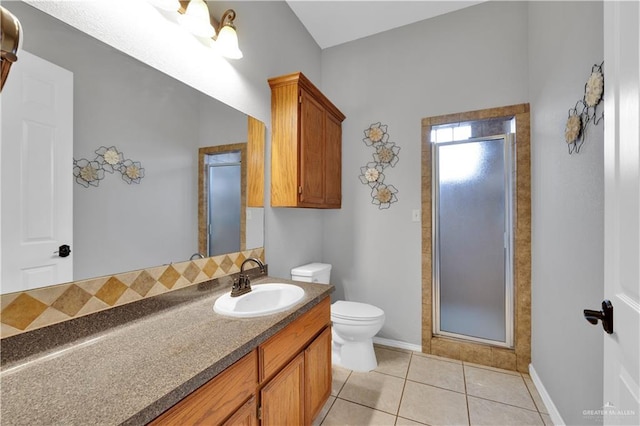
(354, 323)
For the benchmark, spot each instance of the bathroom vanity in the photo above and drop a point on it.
(181, 365)
(285, 380)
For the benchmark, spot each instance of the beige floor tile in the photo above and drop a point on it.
(392, 362)
(486, 367)
(344, 413)
(500, 387)
(534, 393)
(323, 413)
(435, 372)
(340, 376)
(433, 406)
(441, 358)
(406, 422)
(484, 412)
(375, 390)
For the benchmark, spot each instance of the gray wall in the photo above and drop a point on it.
(467, 60)
(565, 40)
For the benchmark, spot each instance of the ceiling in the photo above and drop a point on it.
(333, 22)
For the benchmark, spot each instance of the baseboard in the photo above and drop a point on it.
(397, 344)
(556, 418)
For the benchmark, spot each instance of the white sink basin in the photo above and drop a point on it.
(264, 299)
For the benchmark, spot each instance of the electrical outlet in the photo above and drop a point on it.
(416, 215)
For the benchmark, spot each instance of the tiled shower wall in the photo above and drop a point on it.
(29, 310)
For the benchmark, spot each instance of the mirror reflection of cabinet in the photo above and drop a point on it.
(255, 162)
(306, 145)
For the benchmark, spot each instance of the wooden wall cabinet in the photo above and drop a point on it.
(285, 381)
(306, 145)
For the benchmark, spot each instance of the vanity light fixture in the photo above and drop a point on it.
(196, 19)
(222, 37)
(10, 38)
(227, 39)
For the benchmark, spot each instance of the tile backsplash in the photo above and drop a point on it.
(29, 310)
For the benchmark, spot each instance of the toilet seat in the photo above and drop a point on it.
(355, 311)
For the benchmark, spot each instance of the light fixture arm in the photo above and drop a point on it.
(227, 20)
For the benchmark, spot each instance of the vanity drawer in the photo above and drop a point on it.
(281, 348)
(216, 399)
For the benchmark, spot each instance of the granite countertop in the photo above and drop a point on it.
(132, 373)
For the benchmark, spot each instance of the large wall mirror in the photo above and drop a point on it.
(151, 118)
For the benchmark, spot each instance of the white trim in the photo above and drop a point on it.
(397, 344)
(556, 418)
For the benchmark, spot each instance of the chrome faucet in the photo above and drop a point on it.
(196, 255)
(243, 285)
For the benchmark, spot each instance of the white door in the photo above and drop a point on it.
(36, 175)
(622, 211)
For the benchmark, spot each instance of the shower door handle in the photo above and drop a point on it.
(605, 315)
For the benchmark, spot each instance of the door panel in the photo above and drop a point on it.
(283, 397)
(37, 191)
(621, 403)
(312, 158)
(333, 162)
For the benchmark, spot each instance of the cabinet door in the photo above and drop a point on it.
(283, 398)
(245, 416)
(333, 162)
(312, 151)
(217, 399)
(317, 366)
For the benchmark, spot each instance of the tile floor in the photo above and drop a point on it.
(411, 388)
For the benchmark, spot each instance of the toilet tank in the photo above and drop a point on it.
(312, 273)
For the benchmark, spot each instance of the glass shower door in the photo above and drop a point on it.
(473, 240)
(224, 202)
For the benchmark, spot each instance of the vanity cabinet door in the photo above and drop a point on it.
(317, 370)
(276, 352)
(282, 398)
(217, 399)
(245, 416)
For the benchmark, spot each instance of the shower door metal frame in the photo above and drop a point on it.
(509, 149)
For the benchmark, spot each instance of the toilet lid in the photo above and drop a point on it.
(355, 310)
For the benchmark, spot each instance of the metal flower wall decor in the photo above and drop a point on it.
(385, 155)
(90, 173)
(584, 110)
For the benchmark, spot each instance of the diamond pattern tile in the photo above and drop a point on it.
(33, 309)
(22, 311)
(72, 300)
(169, 277)
(239, 260)
(210, 267)
(111, 291)
(226, 264)
(143, 283)
(192, 271)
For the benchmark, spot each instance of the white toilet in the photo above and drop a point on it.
(354, 324)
